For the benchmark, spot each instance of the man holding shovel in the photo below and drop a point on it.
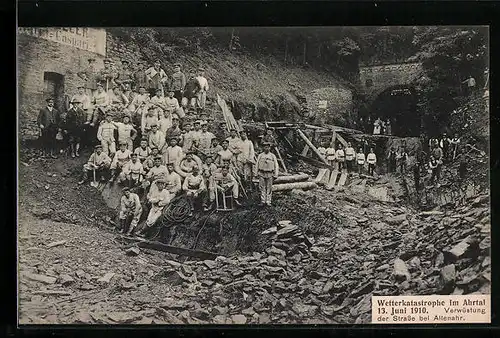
(130, 209)
(99, 163)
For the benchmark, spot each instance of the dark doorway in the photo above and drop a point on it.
(54, 86)
(399, 104)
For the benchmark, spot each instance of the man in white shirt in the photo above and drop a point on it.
(340, 155)
(130, 208)
(101, 103)
(83, 98)
(173, 153)
(201, 95)
(194, 186)
(246, 157)
(205, 140)
(360, 159)
(266, 169)
(156, 138)
(133, 171)
(350, 155)
(106, 135)
(121, 157)
(372, 161)
(126, 132)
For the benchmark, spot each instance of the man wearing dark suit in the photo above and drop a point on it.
(48, 121)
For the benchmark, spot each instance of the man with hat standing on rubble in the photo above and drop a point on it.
(106, 135)
(48, 121)
(130, 207)
(157, 78)
(191, 90)
(98, 161)
(75, 119)
(107, 75)
(140, 77)
(201, 95)
(177, 82)
(125, 75)
(89, 75)
(101, 104)
(266, 169)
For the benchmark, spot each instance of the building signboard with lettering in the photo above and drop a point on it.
(89, 39)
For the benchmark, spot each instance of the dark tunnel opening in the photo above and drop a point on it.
(399, 104)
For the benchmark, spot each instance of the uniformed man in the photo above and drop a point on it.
(125, 76)
(194, 186)
(350, 155)
(48, 121)
(107, 76)
(372, 161)
(360, 160)
(191, 90)
(201, 95)
(149, 162)
(223, 183)
(196, 133)
(173, 153)
(98, 161)
(177, 82)
(140, 77)
(132, 171)
(143, 151)
(130, 208)
(89, 75)
(174, 130)
(75, 119)
(106, 135)
(245, 158)
(266, 169)
(157, 78)
(101, 104)
(159, 103)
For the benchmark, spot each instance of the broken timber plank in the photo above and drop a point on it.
(313, 161)
(177, 250)
(343, 177)
(305, 151)
(321, 174)
(342, 140)
(314, 149)
(281, 160)
(333, 179)
(326, 177)
(334, 137)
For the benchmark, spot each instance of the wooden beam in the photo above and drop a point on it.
(314, 149)
(176, 250)
(281, 160)
(305, 151)
(314, 162)
(334, 136)
(342, 140)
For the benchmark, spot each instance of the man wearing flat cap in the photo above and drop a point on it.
(202, 93)
(89, 75)
(140, 78)
(75, 119)
(266, 169)
(101, 103)
(130, 209)
(98, 161)
(157, 78)
(177, 82)
(190, 91)
(125, 75)
(107, 76)
(48, 122)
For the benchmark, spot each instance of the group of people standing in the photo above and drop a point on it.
(347, 158)
(375, 127)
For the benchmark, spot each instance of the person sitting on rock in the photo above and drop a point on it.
(121, 157)
(372, 161)
(188, 163)
(173, 180)
(156, 172)
(208, 169)
(350, 155)
(360, 160)
(223, 183)
(143, 151)
(215, 147)
(224, 154)
(133, 171)
(158, 200)
(149, 120)
(194, 186)
(130, 209)
(156, 138)
(98, 161)
(173, 152)
(149, 162)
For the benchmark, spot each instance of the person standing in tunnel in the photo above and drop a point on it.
(391, 160)
(388, 127)
(377, 126)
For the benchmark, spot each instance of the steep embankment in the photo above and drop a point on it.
(263, 87)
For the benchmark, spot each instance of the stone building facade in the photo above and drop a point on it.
(48, 62)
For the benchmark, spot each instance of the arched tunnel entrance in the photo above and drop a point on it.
(399, 104)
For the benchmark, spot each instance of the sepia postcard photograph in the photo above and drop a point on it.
(253, 175)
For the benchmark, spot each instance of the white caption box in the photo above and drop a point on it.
(435, 309)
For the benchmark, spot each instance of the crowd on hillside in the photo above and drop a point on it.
(154, 145)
